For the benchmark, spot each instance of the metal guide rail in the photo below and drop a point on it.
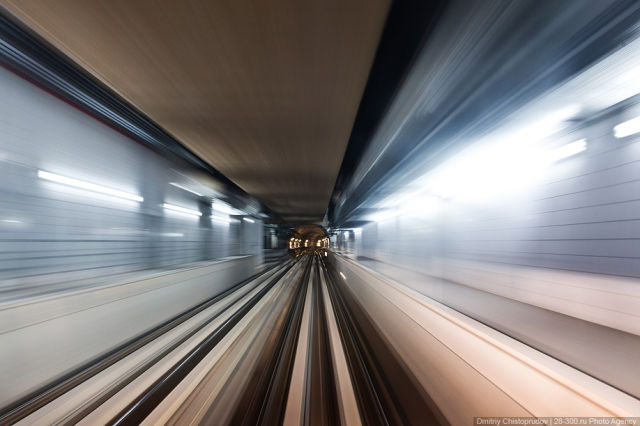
(288, 346)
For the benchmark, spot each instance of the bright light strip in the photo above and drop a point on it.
(88, 186)
(222, 207)
(246, 219)
(181, 209)
(221, 219)
(184, 188)
(627, 128)
(569, 150)
(343, 277)
(172, 234)
(382, 215)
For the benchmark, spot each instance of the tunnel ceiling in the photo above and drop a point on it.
(266, 92)
(311, 232)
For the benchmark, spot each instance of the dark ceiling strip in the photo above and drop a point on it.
(408, 24)
(34, 59)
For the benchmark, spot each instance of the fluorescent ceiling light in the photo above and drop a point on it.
(569, 150)
(222, 207)
(342, 275)
(246, 219)
(181, 210)
(88, 186)
(627, 128)
(172, 234)
(221, 219)
(184, 188)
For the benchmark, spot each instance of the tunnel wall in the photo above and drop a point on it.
(75, 327)
(570, 243)
(51, 232)
(555, 266)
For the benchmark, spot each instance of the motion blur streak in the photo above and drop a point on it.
(627, 128)
(319, 212)
(528, 224)
(86, 185)
(181, 210)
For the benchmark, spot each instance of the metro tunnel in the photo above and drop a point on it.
(320, 212)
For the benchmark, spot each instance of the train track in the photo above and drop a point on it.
(288, 346)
